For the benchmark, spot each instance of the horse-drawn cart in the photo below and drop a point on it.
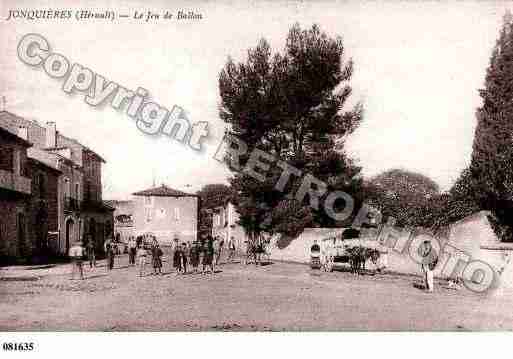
(339, 253)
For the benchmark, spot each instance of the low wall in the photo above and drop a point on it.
(471, 238)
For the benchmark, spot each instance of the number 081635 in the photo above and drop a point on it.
(18, 347)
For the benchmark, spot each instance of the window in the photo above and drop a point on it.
(77, 190)
(21, 234)
(6, 158)
(88, 191)
(148, 214)
(177, 214)
(67, 187)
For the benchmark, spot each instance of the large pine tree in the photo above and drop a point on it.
(290, 105)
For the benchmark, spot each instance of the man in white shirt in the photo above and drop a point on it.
(76, 252)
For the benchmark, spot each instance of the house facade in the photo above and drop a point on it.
(76, 204)
(15, 191)
(166, 213)
(225, 225)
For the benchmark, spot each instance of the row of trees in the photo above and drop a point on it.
(293, 105)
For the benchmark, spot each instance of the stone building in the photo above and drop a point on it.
(79, 209)
(166, 213)
(15, 191)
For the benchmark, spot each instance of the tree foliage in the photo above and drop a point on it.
(488, 183)
(290, 105)
(411, 198)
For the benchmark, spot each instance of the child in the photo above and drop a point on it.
(141, 257)
(156, 256)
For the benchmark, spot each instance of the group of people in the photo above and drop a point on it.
(205, 252)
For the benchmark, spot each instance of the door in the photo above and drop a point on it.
(21, 234)
(69, 234)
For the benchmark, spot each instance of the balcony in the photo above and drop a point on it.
(13, 182)
(71, 204)
(89, 205)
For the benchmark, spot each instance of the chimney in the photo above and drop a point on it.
(23, 132)
(51, 135)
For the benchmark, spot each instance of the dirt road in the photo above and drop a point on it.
(279, 296)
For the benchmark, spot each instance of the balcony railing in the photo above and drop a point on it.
(92, 205)
(71, 204)
(13, 182)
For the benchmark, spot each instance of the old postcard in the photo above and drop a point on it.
(282, 166)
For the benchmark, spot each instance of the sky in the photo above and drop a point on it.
(418, 69)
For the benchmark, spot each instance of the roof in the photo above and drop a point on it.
(163, 191)
(44, 164)
(84, 147)
(12, 121)
(12, 136)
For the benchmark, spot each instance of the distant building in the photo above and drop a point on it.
(123, 219)
(225, 224)
(167, 213)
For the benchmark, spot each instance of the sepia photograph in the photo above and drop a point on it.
(255, 166)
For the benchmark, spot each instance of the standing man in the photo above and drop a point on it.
(77, 254)
(194, 255)
(231, 249)
(183, 257)
(90, 251)
(109, 250)
(210, 254)
(177, 256)
(141, 257)
(132, 250)
(217, 250)
(429, 262)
